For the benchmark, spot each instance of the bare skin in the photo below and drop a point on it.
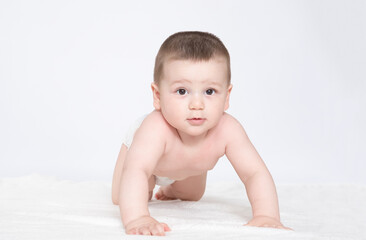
(183, 139)
(190, 188)
(190, 174)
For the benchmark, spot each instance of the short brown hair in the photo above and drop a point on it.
(193, 45)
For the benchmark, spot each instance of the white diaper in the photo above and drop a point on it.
(131, 131)
(161, 181)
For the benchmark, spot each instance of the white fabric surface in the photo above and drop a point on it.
(39, 207)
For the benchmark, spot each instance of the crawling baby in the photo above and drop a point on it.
(176, 144)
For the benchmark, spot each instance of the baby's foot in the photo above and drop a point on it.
(163, 194)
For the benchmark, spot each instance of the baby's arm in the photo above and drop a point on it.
(254, 174)
(146, 149)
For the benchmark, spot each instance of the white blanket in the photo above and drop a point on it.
(38, 207)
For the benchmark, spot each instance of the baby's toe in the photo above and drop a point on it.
(159, 194)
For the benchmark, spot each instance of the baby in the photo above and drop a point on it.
(175, 145)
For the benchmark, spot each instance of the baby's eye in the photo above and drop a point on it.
(210, 91)
(182, 91)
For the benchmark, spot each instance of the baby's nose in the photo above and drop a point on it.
(196, 103)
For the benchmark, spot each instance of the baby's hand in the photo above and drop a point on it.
(146, 225)
(264, 221)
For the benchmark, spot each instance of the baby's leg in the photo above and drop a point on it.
(189, 189)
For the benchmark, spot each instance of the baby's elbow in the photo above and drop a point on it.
(115, 198)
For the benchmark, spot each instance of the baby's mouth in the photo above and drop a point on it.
(196, 121)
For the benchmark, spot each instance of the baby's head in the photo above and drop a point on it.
(195, 46)
(191, 84)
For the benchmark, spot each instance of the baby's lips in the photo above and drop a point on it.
(196, 118)
(196, 121)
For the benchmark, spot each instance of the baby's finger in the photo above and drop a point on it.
(160, 228)
(286, 228)
(250, 224)
(166, 227)
(157, 230)
(132, 231)
(144, 231)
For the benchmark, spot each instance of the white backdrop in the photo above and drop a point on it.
(74, 74)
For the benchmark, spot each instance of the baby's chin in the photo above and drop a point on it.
(194, 131)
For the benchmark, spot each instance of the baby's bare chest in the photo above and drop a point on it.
(180, 161)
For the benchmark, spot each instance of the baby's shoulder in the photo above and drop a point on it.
(152, 130)
(229, 121)
(155, 122)
(229, 125)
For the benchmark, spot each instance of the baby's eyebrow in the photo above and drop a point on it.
(210, 82)
(214, 83)
(181, 81)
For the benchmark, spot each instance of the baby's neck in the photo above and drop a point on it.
(190, 140)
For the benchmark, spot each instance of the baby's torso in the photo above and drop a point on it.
(180, 161)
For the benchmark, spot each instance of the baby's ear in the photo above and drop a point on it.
(156, 95)
(228, 96)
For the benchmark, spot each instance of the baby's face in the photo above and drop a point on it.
(192, 95)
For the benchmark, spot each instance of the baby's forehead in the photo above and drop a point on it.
(175, 65)
(213, 71)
